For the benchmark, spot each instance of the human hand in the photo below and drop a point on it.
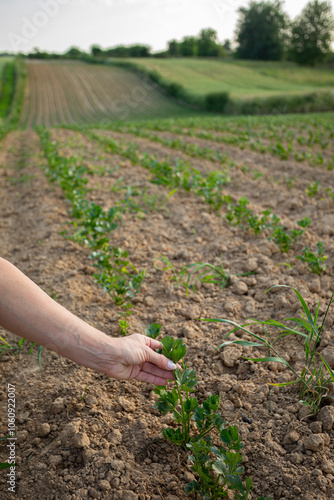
(135, 357)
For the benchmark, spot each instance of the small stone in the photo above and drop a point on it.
(251, 265)
(58, 405)
(239, 388)
(115, 437)
(230, 355)
(43, 430)
(21, 436)
(288, 480)
(88, 455)
(327, 466)
(314, 442)
(219, 367)
(316, 427)
(80, 440)
(326, 417)
(314, 285)
(304, 412)
(117, 465)
(296, 458)
(129, 495)
(291, 437)
(149, 301)
(231, 306)
(328, 354)
(188, 332)
(188, 476)
(191, 313)
(104, 485)
(126, 404)
(240, 288)
(55, 460)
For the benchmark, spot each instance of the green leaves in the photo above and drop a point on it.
(153, 330)
(173, 349)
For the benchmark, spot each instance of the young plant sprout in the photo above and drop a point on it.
(198, 426)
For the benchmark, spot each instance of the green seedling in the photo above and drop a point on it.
(287, 239)
(218, 469)
(316, 376)
(124, 326)
(313, 189)
(316, 262)
(241, 214)
(93, 224)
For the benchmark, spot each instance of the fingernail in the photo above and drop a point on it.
(171, 365)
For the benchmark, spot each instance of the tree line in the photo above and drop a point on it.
(264, 32)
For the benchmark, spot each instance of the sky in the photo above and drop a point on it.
(56, 25)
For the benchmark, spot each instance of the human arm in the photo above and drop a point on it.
(30, 313)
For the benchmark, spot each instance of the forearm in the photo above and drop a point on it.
(30, 313)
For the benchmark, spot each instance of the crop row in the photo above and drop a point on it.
(92, 226)
(278, 140)
(180, 174)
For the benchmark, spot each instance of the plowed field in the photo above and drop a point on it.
(288, 452)
(70, 92)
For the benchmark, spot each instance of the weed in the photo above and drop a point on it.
(316, 375)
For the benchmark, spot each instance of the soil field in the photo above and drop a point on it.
(288, 452)
(74, 92)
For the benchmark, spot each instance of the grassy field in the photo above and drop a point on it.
(3, 61)
(242, 79)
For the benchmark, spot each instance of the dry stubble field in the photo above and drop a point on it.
(109, 445)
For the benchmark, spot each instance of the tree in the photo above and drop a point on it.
(261, 31)
(188, 46)
(207, 43)
(174, 48)
(312, 34)
(96, 51)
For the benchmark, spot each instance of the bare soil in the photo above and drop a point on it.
(122, 454)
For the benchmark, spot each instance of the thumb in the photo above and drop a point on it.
(160, 360)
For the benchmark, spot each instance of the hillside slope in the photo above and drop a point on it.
(74, 92)
(242, 79)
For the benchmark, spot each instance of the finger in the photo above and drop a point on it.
(150, 379)
(152, 343)
(159, 372)
(160, 360)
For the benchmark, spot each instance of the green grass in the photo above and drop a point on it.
(3, 61)
(242, 79)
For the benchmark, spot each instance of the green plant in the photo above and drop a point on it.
(92, 226)
(313, 189)
(241, 214)
(195, 424)
(206, 273)
(200, 271)
(316, 261)
(124, 326)
(316, 375)
(287, 239)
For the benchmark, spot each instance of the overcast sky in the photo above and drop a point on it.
(56, 25)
